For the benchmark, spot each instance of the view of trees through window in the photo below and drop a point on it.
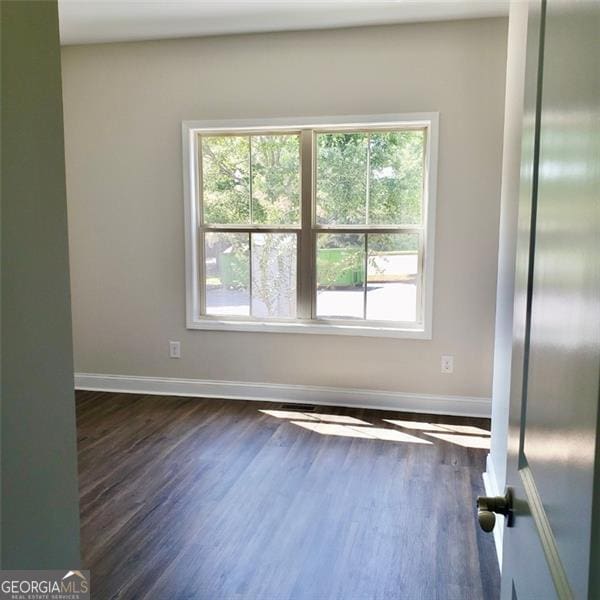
(370, 178)
(366, 234)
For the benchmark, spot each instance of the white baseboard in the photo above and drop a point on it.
(490, 483)
(270, 392)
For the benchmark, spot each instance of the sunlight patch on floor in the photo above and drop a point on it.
(467, 436)
(441, 427)
(297, 415)
(467, 441)
(372, 433)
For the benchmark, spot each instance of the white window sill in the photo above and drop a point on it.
(327, 328)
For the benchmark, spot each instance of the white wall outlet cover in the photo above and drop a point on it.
(174, 349)
(447, 363)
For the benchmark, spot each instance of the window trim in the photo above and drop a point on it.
(192, 210)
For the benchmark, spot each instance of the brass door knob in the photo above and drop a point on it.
(490, 506)
(487, 520)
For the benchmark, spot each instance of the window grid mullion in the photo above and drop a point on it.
(201, 280)
(305, 275)
(200, 276)
(366, 263)
(420, 275)
(251, 307)
(250, 175)
(249, 229)
(370, 228)
(368, 182)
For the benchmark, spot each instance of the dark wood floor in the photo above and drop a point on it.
(216, 500)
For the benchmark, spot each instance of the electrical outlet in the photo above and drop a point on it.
(174, 349)
(447, 363)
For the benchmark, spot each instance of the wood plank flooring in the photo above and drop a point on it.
(187, 498)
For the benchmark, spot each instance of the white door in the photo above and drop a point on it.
(551, 547)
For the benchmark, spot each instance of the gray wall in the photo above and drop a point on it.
(40, 511)
(124, 104)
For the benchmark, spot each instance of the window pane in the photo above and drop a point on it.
(274, 275)
(392, 275)
(341, 178)
(226, 179)
(227, 273)
(276, 179)
(340, 275)
(396, 177)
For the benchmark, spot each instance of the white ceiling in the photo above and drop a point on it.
(96, 21)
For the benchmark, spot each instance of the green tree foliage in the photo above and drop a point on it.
(370, 178)
(226, 179)
(276, 179)
(251, 179)
(341, 178)
(396, 177)
(362, 178)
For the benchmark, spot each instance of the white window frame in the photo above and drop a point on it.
(422, 329)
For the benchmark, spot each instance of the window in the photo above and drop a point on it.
(320, 225)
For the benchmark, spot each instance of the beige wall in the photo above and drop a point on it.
(124, 104)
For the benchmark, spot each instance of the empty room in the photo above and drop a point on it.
(300, 300)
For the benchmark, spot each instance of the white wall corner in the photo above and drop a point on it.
(490, 483)
(270, 392)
